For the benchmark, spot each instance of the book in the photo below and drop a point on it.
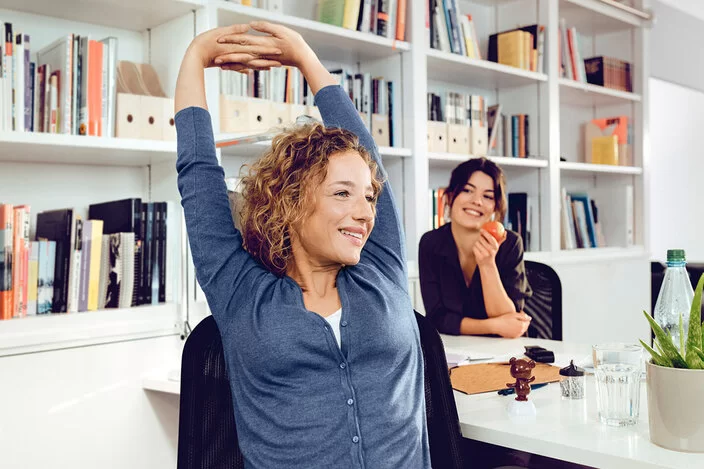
(45, 276)
(331, 11)
(32, 278)
(59, 226)
(124, 216)
(59, 56)
(6, 237)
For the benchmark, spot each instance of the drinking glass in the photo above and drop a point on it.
(617, 368)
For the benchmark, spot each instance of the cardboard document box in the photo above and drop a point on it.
(380, 129)
(458, 139)
(437, 137)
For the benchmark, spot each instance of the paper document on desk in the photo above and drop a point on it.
(455, 358)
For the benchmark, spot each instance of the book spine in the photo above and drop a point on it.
(401, 21)
(148, 209)
(83, 243)
(27, 90)
(382, 18)
(94, 251)
(6, 244)
(75, 85)
(162, 252)
(66, 95)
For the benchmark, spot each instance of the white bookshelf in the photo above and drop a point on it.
(454, 159)
(323, 37)
(160, 30)
(30, 147)
(54, 171)
(599, 168)
(587, 95)
(253, 150)
(59, 331)
(456, 69)
(602, 16)
(134, 15)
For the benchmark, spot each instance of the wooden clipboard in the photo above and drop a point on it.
(487, 377)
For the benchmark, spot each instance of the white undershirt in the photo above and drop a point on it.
(334, 320)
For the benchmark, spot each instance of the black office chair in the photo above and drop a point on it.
(207, 437)
(545, 304)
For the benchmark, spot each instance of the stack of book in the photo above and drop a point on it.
(122, 255)
(608, 141)
(281, 85)
(451, 31)
(522, 48)
(68, 87)
(608, 72)
(386, 18)
(601, 217)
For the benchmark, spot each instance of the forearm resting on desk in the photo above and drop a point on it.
(496, 300)
(471, 326)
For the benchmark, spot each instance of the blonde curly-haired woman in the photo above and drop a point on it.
(311, 297)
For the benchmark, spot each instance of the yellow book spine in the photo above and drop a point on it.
(510, 47)
(605, 150)
(96, 247)
(349, 20)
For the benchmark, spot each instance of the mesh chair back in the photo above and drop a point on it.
(444, 434)
(207, 436)
(545, 304)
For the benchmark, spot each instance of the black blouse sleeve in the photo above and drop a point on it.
(445, 321)
(512, 270)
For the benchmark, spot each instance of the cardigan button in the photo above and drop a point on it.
(343, 365)
(355, 439)
(343, 323)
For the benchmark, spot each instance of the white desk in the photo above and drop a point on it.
(564, 430)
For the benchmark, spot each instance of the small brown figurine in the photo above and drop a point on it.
(521, 369)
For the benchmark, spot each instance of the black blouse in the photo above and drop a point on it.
(446, 297)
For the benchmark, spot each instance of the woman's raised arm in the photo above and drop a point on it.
(220, 260)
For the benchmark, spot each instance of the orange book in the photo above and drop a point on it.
(573, 54)
(95, 87)
(441, 206)
(24, 259)
(20, 256)
(401, 20)
(6, 232)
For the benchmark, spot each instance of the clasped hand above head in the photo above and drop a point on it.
(255, 46)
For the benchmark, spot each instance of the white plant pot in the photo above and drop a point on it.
(676, 408)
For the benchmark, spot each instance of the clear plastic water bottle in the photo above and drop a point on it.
(675, 297)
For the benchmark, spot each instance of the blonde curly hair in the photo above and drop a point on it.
(278, 189)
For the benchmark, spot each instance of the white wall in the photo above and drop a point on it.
(677, 167)
(691, 7)
(85, 408)
(676, 118)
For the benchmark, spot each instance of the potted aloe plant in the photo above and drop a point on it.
(675, 384)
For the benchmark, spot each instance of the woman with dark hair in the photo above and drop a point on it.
(311, 297)
(472, 283)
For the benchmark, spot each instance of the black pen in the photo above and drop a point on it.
(509, 391)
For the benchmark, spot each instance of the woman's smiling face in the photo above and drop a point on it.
(475, 204)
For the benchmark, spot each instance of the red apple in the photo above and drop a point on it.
(496, 229)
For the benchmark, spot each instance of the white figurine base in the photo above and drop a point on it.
(521, 408)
